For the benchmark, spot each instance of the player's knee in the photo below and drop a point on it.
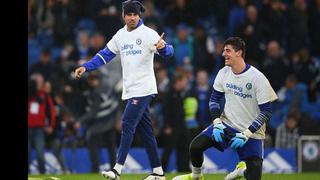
(254, 168)
(193, 147)
(196, 145)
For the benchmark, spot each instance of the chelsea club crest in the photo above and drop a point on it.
(248, 86)
(138, 41)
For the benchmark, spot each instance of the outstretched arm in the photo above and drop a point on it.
(102, 57)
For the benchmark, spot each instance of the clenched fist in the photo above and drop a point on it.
(79, 71)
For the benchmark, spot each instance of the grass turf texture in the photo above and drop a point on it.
(298, 176)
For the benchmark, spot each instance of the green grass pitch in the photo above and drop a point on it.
(297, 176)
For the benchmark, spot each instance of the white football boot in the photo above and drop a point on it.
(111, 174)
(154, 176)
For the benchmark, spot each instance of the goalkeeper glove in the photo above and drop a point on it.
(240, 139)
(218, 128)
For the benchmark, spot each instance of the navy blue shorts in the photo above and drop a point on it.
(253, 147)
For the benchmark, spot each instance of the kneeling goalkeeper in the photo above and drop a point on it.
(241, 126)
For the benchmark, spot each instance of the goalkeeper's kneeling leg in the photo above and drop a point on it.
(197, 146)
(254, 168)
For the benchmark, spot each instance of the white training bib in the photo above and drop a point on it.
(243, 93)
(136, 49)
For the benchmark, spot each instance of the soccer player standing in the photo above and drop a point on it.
(241, 126)
(136, 45)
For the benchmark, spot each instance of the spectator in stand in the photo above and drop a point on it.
(46, 67)
(288, 132)
(217, 58)
(190, 101)
(45, 16)
(175, 130)
(52, 140)
(237, 16)
(203, 91)
(151, 17)
(315, 97)
(275, 66)
(179, 11)
(73, 98)
(111, 74)
(200, 9)
(298, 35)
(203, 49)
(252, 32)
(64, 22)
(107, 12)
(163, 80)
(32, 21)
(45, 19)
(41, 118)
(293, 95)
(314, 27)
(183, 46)
(65, 63)
(220, 9)
(163, 83)
(163, 5)
(188, 71)
(274, 16)
(99, 120)
(66, 132)
(83, 44)
(306, 68)
(97, 42)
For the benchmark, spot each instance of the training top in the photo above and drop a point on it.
(136, 50)
(136, 54)
(243, 93)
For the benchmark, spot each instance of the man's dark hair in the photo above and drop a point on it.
(132, 6)
(237, 43)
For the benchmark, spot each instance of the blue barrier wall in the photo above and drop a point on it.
(77, 161)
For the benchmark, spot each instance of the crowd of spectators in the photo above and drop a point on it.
(282, 39)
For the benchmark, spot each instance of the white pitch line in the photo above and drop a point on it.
(53, 178)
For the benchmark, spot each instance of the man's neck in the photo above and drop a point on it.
(239, 68)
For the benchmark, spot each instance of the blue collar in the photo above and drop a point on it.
(140, 23)
(245, 69)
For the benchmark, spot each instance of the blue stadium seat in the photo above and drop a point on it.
(55, 52)
(87, 24)
(33, 51)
